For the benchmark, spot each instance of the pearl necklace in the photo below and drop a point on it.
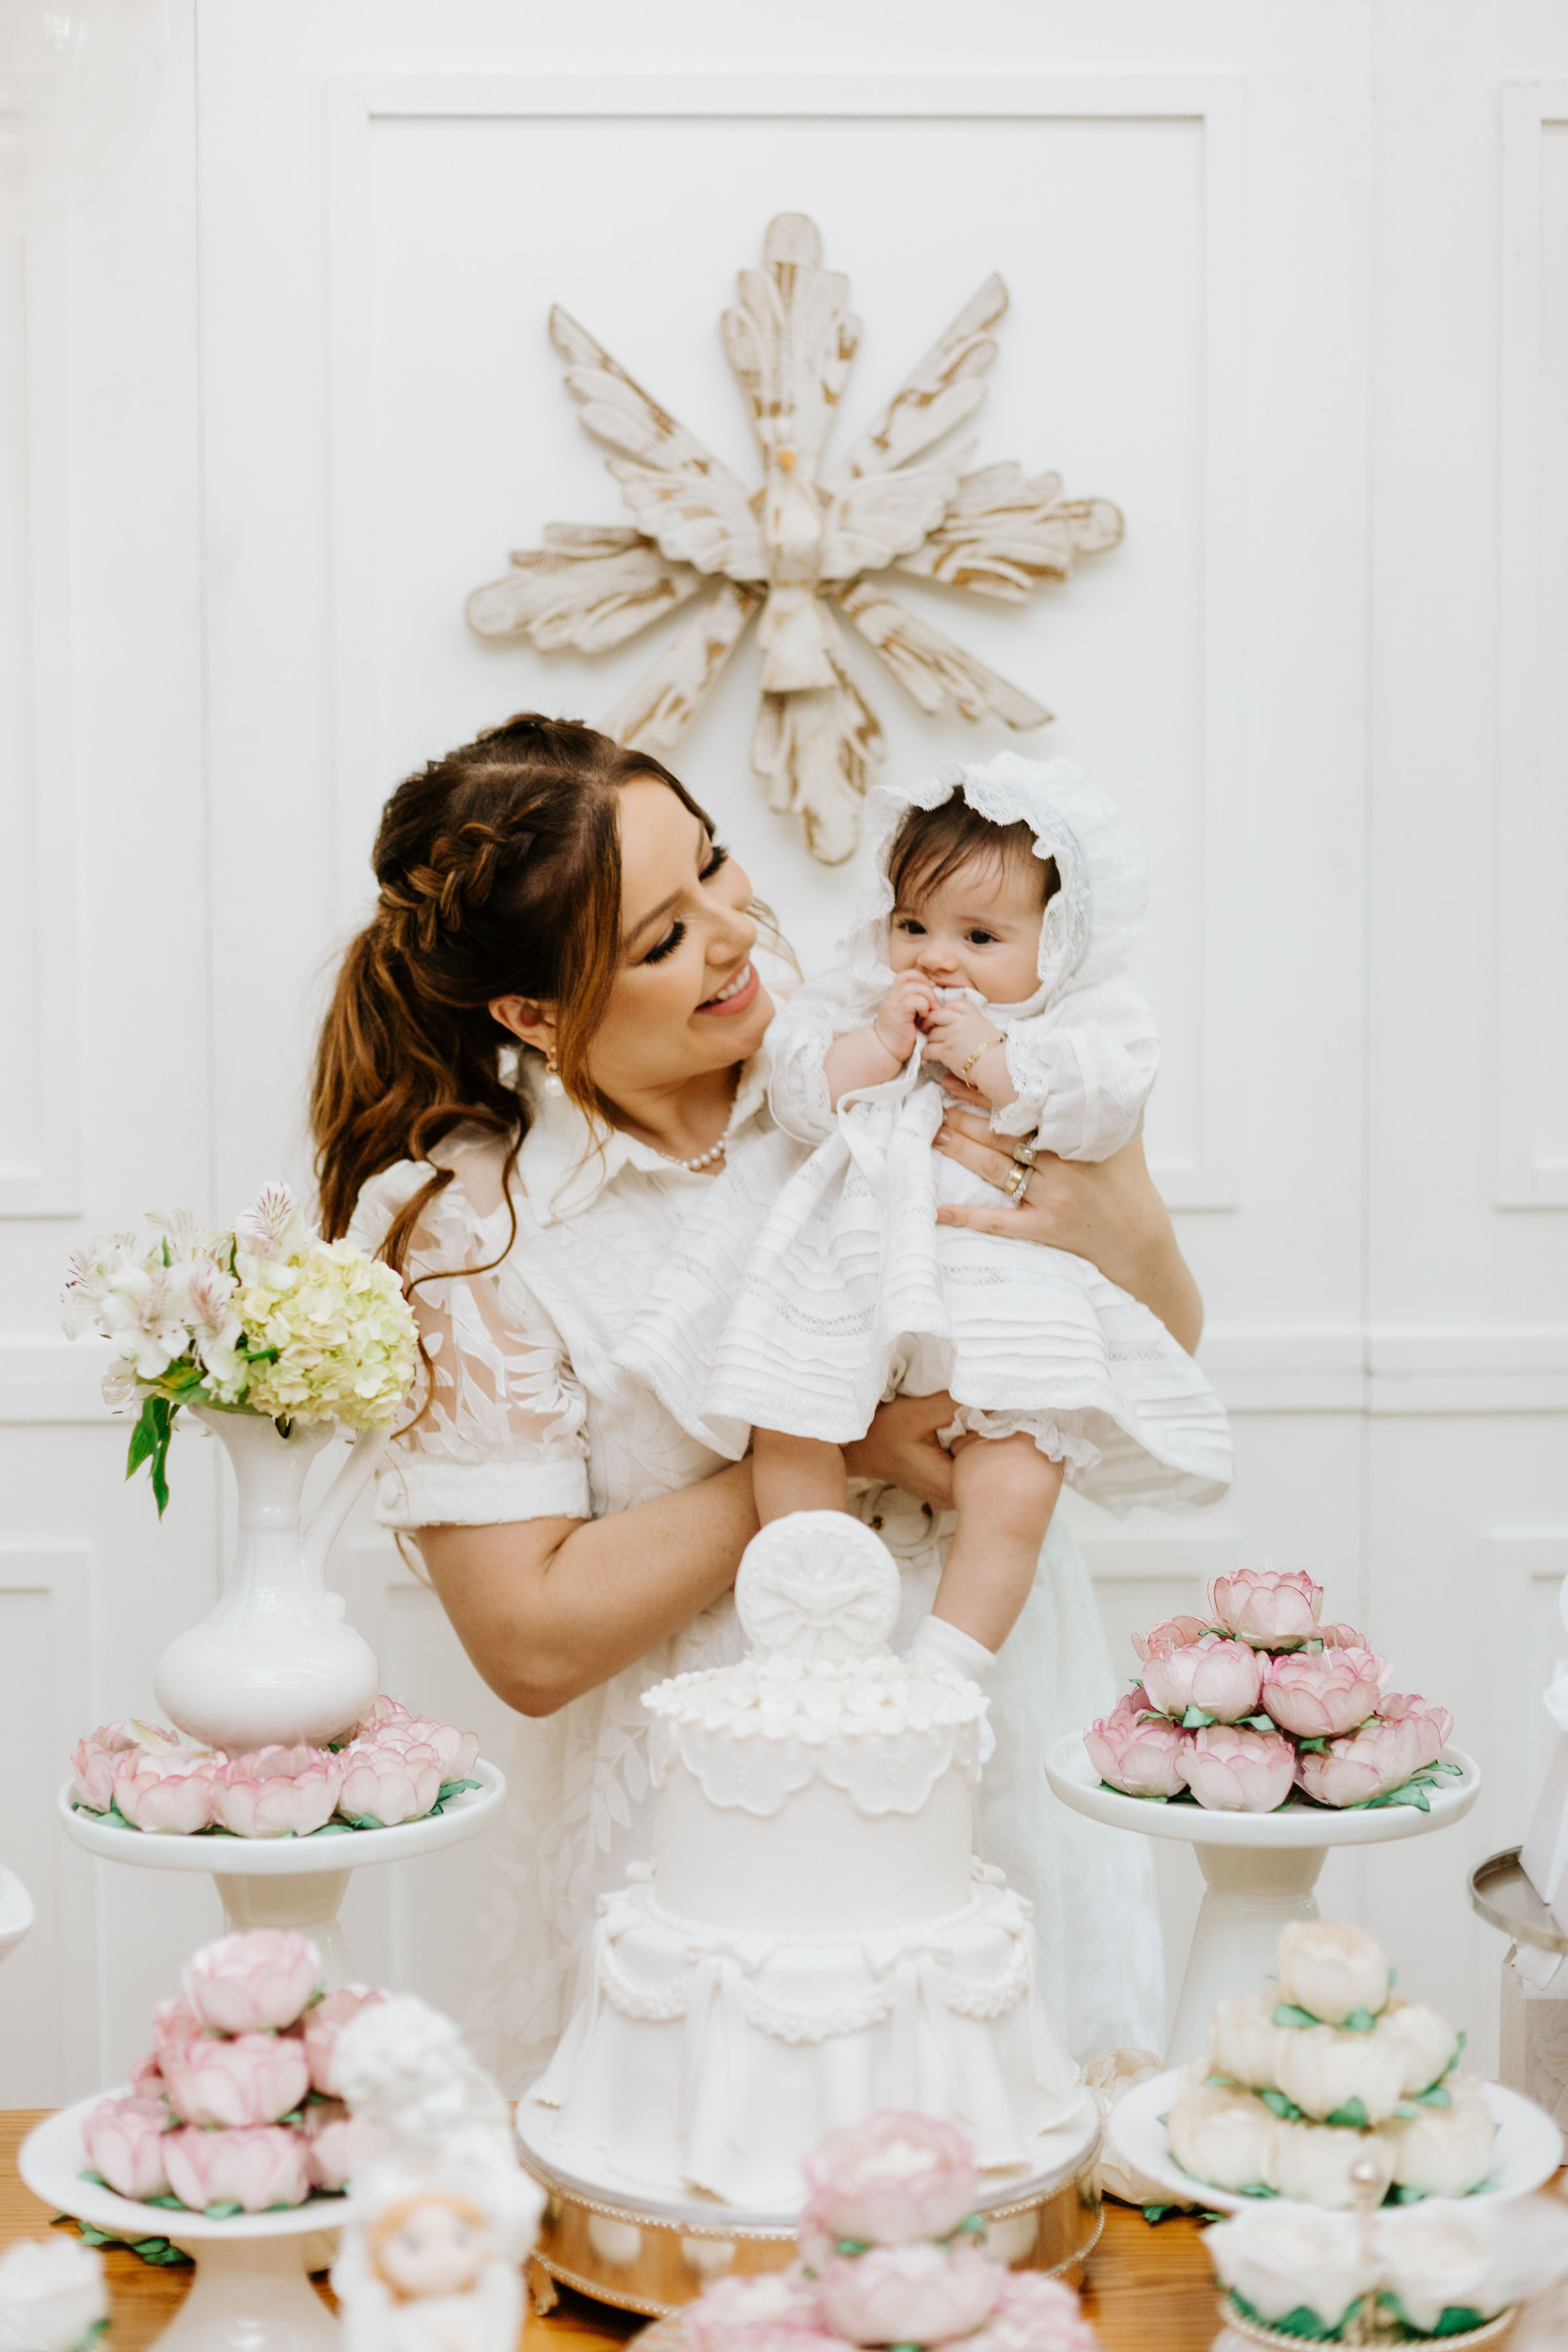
(704, 1158)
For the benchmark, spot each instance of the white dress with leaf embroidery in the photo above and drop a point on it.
(532, 1417)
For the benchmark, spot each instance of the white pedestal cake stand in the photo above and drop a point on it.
(622, 2246)
(251, 2292)
(1259, 1869)
(292, 1881)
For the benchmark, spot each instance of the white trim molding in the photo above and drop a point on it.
(1210, 1177)
(1532, 1172)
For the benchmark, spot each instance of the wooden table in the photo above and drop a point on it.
(1148, 2290)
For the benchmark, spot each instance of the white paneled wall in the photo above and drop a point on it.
(1288, 285)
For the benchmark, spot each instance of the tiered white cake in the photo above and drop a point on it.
(815, 1938)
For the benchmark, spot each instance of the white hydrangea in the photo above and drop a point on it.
(343, 1333)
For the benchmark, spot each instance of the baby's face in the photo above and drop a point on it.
(433, 2251)
(979, 929)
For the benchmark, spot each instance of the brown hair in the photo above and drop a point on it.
(933, 844)
(500, 873)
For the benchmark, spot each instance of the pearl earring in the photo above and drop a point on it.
(553, 1085)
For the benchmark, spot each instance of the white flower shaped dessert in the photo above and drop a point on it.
(1225, 2137)
(1245, 2044)
(1286, 2259)
(1355, 2078)
(1313, 2163)
(1425, 2040)
(1445, 2151)
(1436, 2257)
(1333, 1971)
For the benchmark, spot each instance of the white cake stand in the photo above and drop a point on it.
(251, 2292)
(622, 2245)
(292, 1881)
(1259, 1869)
(1527, 2151)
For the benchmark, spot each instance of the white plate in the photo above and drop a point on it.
(52, 2161)
(230, 1857)
(1298, 1823)
(1528, 2152)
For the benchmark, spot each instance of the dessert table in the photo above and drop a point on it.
(1148, 2290)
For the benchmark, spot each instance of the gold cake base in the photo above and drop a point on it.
(657, 2257)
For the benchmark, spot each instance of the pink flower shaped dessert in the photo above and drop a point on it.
(1141, 1760)
(734, 2312)
(124, 2140)
(1429, 1726)
(256, 2166)
(382, 1712)
(278, 1791)
(336, 2142)
(169, 1795)
(893, 2179)
(1323, 1694)
(147, 2077)
(458, 1750)
(251, 1983)
(1174, 1633)
(94, 1761)
(1272, 1612)
(1218, 1677)
(323, 2027)
(1381, 1756)
(1341, 1637)
(1238, 1772)
(1033, 2313)
(909, 2293)
(250, 2078)
(384, 1784)
(174, 2021)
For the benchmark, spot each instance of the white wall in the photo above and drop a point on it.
(1285, 283)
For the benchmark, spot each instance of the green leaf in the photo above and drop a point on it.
(1155, 2214)
(1286, 2109)
(1458, 2053)
(333, 1829)
(225, 2211)
(450, 1789)
(143, 1436)
(1456, 2318)
(118, 1818)
(1351, 2116)
(852, 2246)
(175, 2204)
(1195, 1719)
(1127, 1793)
(972, 2226)
(1404, 2112)
(364, 1822)
(97, 2180)
(1407, 2196)
(1360, 2021)
(1287, 2013)
(1263, 1723)
(1258, 2190)
(1301, 2322)
(1435, 2096)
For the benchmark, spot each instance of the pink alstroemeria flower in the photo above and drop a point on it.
(899, 2294)
(1323, 1694)
(337, 2143)
(324, 2024)
(124, 2141)
(1270, 1609)
(895, 2178)
(167, 1796)
(734, 2312)
(278, 1791)
(253, 1983)
(1033, 2313)
(1218, 1677)
(1141, 1760)
(1232, 1770)
(248, 2078)
(254, 2167)
(388, 1784)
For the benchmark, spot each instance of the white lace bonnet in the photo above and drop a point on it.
(1093, 919)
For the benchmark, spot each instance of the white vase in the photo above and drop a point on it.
(275, 1660)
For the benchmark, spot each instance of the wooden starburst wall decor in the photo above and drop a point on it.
(809, 551)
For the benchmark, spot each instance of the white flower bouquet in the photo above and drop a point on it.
(265, 1318)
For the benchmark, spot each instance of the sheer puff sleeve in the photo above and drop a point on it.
(795, 1049)
(1083, 1072)
(501, 1437)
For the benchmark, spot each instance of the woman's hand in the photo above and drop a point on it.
(1107, 1210)
(901, 1449)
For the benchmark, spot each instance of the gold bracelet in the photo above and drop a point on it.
(964, 1067)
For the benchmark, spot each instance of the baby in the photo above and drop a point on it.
(989, 945)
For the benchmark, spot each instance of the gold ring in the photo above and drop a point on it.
(1024, 1153)
(1017, 1185)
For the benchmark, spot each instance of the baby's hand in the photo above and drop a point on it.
(903, 1013)
(957, 1035)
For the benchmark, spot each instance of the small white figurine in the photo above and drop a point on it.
(52, 2297)
(447, 2217)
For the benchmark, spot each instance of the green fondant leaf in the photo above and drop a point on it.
(852, 2246)
(1302, 2321)
(364, 1822)
(1287, 2013)
(225, 2211)
(1196, 1720)
(1351, 2116)
(1360, 2021)
(1435, 2096)
(450, 1789)
(1311, 1747)
(1286, 2109)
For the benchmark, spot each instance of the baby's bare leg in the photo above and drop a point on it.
(795, 1473)
(1006, 1490)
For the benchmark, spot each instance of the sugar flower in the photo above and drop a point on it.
(124, 2143)
(252, 1983)
(1272, 1612)
(253, 2167)
(1323, 1694)
(1219, 1677)
(1142, 1760)
(1333, 1969)
(1233, 1770)
(1287, 2258)
(277, 1792)
(323, 2026)
(907, 2292)
(893, 2179)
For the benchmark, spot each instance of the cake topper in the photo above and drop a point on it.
(817, 1585)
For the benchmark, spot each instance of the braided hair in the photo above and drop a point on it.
(499, 875)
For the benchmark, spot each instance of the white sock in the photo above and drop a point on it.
(938, 1643)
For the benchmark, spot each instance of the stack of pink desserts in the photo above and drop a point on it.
(236, 2108)
(1263, 1699)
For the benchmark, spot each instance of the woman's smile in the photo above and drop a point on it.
(736, 994)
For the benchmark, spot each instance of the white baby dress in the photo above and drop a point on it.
(803, 1294)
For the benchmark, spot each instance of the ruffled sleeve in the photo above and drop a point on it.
(795, 1049)
(501, 1437)
(1083, 1072)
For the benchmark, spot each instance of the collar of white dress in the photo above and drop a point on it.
(566, 1160)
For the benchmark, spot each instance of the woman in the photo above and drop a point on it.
(545, 890)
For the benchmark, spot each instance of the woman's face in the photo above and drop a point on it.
(686, 999)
